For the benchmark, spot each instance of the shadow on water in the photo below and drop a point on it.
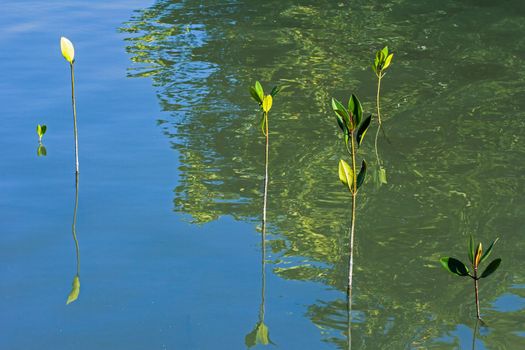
(75, 290)
(453, 171)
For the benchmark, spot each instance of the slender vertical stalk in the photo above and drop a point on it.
(380, 126)
(266, 158)
(73, 229)
(352, 151)
(476, 292)
(74, 113)
(265, 201)
(352, 226)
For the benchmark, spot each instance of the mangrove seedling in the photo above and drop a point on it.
(68, 51)
(382, 61)
(265, 103)
(353, 129)
(476, 258)
(41, 130)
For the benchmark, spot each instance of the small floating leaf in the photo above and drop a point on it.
(487, 253)
(362, 174)
(267, 103)
(493, 266)
(454, 266)
(68, 50)
(73, 295)
(346, 175)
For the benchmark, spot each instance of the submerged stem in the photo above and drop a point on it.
(74, 114)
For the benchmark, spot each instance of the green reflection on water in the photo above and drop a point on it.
(454, 116)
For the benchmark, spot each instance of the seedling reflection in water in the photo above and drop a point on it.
(353, 129)
(476, 258)
(68, 51)
(382, 61)
(41, 130)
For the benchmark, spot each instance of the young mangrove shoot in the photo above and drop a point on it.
(260, 334)
(68, 51)
(41, 130)
(353, 129)
(476, 258)
(382, 61)
(265, 103)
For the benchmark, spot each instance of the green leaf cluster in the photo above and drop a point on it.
(265, 101)
(354, 128)
(382, 61)
(41, 130)
(476, 258)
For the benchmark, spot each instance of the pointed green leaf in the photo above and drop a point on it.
(255, 95)
(493, 266)
(384, 53)
(267, 103)
(44, 129)
(39, 130)
(388, 60)
(471, 250)
(362, 174)
(454, 266)
(341, 111)
(73, 295)
(355, 109)
(276, 89)
(346, 175)
(259, 90)
(487, 253)
(477, 254)
(362, 129)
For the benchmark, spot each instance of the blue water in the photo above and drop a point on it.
(151, 279)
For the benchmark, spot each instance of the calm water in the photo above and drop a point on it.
(171, 161)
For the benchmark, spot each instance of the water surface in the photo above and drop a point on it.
(172, 160)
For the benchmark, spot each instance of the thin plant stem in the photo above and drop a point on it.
(73, 228)
(380, 126)
(476, 292)
(352, 226)
(266, 159)
(74, 114)
(377, 98)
